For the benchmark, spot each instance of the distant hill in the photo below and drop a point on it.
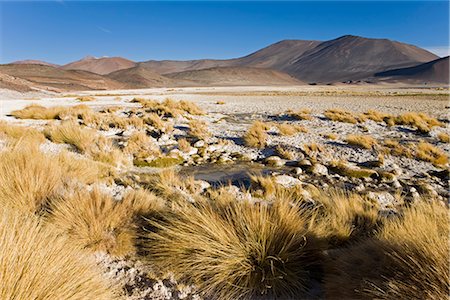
(140, 77)
(58, 79)
(347, 58)
(102, 66)
(34, 62)
(352, 58)
(234, 76)
(436, 71)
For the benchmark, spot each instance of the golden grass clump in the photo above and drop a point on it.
(428, 152)
(36, 263)
(443, 137)
(330, 136)
(141, 146)
(344, 116)
(28, 178)
(95, 221)
(157, 122)
(236, 250)
(303, 114)
(362, 141)
(199, 129)
(377, 116)
(36, 111)
(343, 217)
(256, 135)
(71, 133)
(407, 259)
(85, 98)
(286, 153)
(342, 168)
(184, 145)
(393, 147)
(421, 121)
(20, 132)
(190, 107)
(290, 129)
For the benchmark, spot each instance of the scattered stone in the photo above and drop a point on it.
(275, 161)
(319, 169)
(287, 181)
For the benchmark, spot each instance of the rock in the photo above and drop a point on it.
(287, 181)
(203, 185)
(396, 184)
(385, 199)
(199, 144)
(304, 163)
(275, 161)
(319, 169)
(297, 171)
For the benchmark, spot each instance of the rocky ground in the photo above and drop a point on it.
(305, 159)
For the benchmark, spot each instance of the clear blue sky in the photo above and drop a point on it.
(63, 31)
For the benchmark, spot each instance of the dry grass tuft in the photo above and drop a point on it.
(85, 98)
(199, 129)
(28, 178)
(393, 147)
(343, 217)
(407, 259)
(36, 111)
(342, 168)
(303, 114)
(421, 121)
(184, 145)
(289, 129)
(343, 116)
(330, 136)
(36, 263)
(20, 132)
(142, 146)
(236, 250)
(377, 116)
(428, 152)
(362, 141)
(256, 135)
(97, 222)
(443, 137)
(71, 133)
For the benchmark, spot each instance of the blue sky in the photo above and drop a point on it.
(63, 31)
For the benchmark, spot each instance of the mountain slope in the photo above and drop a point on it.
(224, 76)
(140, 77)
(60, 80)
(102, 66)
(352, 58)
(34, 62)
(433, 71)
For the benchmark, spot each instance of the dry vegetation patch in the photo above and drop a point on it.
(343, 116)
(256, 135)
(303, 114)
(199, 129)
(290, 129)
(37, 263)
(362, 141)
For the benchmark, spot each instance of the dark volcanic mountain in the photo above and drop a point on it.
(353, 58)
(433, 71)
(234, 76)
(102, 66)
(59, 80)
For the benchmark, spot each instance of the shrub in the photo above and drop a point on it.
(236, 250)
(362, 141)
(95, 221)
(198, 129)
(85, 98)
(256, 135)
(36, 263)
(407, 259)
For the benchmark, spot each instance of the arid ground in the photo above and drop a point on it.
(302, 192)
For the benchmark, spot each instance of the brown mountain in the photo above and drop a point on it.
(276, 56)
(436, 71)
(234, 76)
(352, 58)
(33, 62)
(57, 79)
(102, 66)
(140, 77)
